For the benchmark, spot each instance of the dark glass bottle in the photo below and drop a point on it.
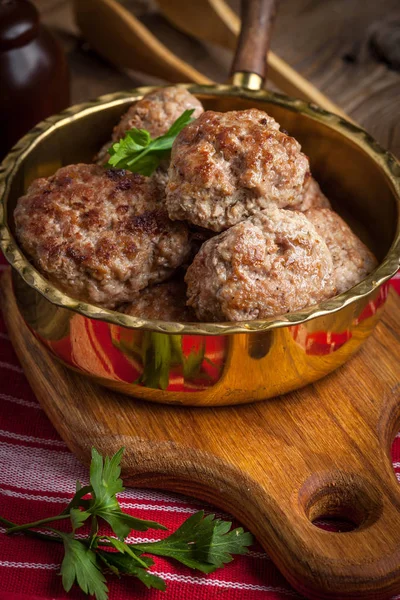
(34, 79)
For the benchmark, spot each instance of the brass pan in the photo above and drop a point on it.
(214, 363)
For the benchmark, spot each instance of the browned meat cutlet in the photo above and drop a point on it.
(158, 180)
(227, 166)
(162, 302)
(99, 235)
(312, 197)
(273, 263)
(157, 111)
(352, 260)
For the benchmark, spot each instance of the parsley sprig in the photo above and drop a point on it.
(140, 153)
(202, 542)
(159, 353)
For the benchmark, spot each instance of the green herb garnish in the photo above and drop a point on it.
(201, 543)
(159, 353)
(140, 153)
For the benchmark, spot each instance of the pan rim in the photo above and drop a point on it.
(21, 264)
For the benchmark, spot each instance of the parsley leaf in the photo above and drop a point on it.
(126, 549)
(105, 479)
(123, 564)
(122, 523)
(106, 483)
(192, 364)
(80, 564)
(202, 543)
(78, 517)
(147, 165)
(134, 142)
(180, 123)
(140, 153)
(77, 501)
(156, 357)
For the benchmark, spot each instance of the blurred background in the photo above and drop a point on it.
(349, 49)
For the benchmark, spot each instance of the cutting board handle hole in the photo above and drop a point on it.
(335, 524)
(340, 502)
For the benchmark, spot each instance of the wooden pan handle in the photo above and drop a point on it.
(255, 34)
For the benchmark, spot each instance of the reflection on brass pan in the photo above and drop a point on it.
(259, 344)
(212, 363)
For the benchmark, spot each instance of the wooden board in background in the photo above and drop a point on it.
(326, 41)
(276, 465)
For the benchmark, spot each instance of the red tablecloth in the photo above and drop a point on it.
(37, 477)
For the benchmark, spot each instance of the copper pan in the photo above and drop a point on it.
(214, 363)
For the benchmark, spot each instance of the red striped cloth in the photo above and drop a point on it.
(37, 477)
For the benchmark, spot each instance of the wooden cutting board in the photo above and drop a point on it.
(276, 465)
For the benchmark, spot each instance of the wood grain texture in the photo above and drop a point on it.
(276, 465)
(125, 41)
(214, 21)
(348, 451)
(327, 42)
(254, 40)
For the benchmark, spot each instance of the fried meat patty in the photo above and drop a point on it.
(352, 260)
(312, 197)
(227, 166)
(157, 111)
(163, 302)
(273, 263)
(99, 235)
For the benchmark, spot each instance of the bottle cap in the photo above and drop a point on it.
(19, 23)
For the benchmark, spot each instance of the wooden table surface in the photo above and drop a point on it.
(329, 41)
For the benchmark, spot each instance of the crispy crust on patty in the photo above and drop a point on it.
(312, 197)
(352, 260)
(99, 235)
(227, 166)
(162, 302)
(157, 111)
(273, 263)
